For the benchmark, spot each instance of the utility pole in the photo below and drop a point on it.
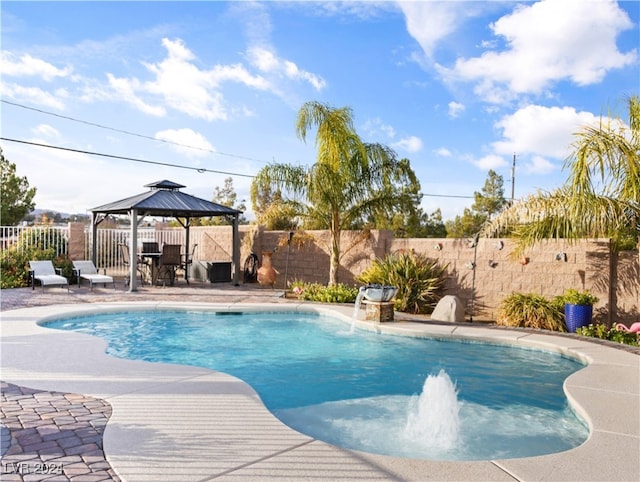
(513, 179)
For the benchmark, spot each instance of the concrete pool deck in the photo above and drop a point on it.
(178, 423)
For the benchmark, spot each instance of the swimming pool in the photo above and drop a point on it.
(347, 389)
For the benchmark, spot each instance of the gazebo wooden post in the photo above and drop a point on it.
(133, 250)
(187, 225)
(236, 250)
(94, 236)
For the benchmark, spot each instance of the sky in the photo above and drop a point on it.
(456, 87)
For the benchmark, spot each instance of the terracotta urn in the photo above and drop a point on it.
(266, 272)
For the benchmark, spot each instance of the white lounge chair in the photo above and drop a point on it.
(87, 270)
(44, 272)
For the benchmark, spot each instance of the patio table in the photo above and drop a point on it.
(154, 264)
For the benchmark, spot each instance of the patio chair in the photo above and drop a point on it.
(44, 272)
(150, 247)
(187, 261)
(142, 267)
(87, 270)
(170, 261)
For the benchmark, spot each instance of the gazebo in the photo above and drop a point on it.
(164, 198)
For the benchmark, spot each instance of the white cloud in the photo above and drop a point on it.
(126, 90)
(192, 144)
(73, 190)
(429, 22)
(267, 62)
(263, 59)
(455, 109)
(182, 85)
(375, 128)
(362, 10)
(542, 131)
(28, 66)
(548, 41)
(178, 82)
(443, 152)
(294, 72)
(490, 161)
(279, 73)
(247, 111)
(409, 144)
(34, 95)
(539, 165)
(46, 131)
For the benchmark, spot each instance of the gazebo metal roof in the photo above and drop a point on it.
(165, 199)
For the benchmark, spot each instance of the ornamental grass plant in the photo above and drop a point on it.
(530, 310)
(420, 280)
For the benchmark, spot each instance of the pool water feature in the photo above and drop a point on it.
(364, 390)
(434, 420)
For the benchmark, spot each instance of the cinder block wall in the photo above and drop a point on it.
(547, 269)
(550, 268)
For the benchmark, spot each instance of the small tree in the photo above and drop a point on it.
(487, 203)
(432, 226)
(16, 197)
(227, 196)
(269, 209)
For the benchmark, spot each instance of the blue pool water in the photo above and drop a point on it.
(361, 390)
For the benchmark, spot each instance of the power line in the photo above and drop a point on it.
(447, 195)
(167, 164)
(145, 161)
(143, 136)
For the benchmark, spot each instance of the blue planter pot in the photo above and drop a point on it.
(577, 316)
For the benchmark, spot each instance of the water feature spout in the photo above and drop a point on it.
(434, 419)
(356, 307)
(378, 292)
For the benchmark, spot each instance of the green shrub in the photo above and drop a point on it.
(339, 293)
(530, 310)
(420, 280)
(575, 297)
(617, 336)
(14, 266)
(14, 269)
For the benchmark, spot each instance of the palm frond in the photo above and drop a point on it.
(601, 197)
(561, 214)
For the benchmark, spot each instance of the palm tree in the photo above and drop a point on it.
(350, 181)
(601, 197)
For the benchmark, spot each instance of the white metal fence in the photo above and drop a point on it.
(42, 237)
(109, 256)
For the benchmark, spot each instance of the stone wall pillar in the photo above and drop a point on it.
(76, 241)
